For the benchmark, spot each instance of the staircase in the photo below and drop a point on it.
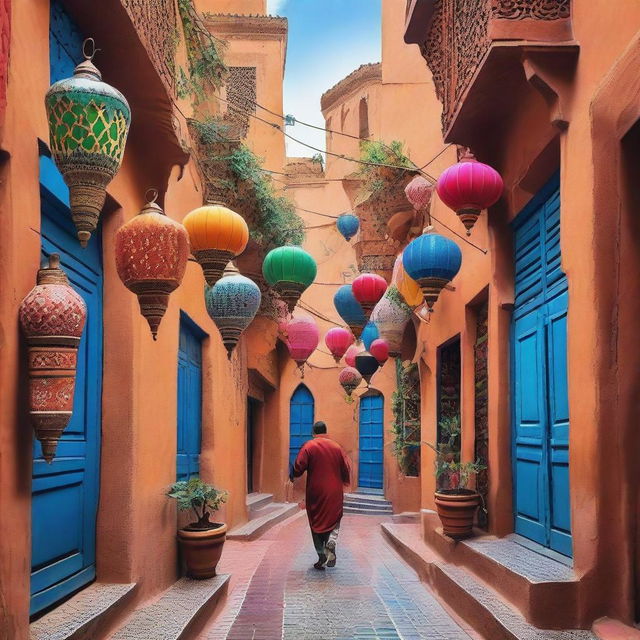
(264, 513)
(367, 504)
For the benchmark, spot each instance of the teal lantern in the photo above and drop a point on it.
(289, 271)
(88, 125)
(232, 304)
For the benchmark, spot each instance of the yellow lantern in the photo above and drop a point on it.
(217, 235)
(409, 289)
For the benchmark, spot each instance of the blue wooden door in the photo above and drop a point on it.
(540, 397)
(65, 493)
(189, 399)
(301, 411)
(371, 441)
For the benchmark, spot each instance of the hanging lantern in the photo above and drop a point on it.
(468, 187)
(408, 288)
(432, 261)
(369, 334)
(418, 192)
(391, 316)
(351, 353)
(349, 378)
(368, 288)
(216, 235)
(151, 258)
(232, 304)
(289, 271)
(88, 125)
(338, 340)
(380, 350)
(52, 317)
(348, 225)
(367, 365)
(349, 309)
(302, 338)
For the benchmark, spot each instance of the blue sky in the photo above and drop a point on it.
(328, 39)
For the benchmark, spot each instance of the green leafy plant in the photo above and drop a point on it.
(196, 495)
(381, 160)
(405, 428)
(453, 475)
(393, 293)
(317, 158)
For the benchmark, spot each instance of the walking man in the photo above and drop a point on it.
(327, 470)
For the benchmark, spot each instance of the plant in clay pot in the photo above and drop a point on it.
(455, 502)
(201, 541)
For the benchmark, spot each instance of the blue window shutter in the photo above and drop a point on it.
(301, 418)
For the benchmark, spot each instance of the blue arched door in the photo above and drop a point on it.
(371, 441)
(300, 420)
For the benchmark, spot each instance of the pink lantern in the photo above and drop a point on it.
(349, 378)
(468, 187)
(351, 353)
(338, 340)
(379, 349)
(367, 289)
(418, 192)
(302, 338)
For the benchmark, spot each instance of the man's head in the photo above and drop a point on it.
(319, 427)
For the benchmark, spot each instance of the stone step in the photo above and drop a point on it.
(406, 517)
(258, 525)
(475, 601)
(365, 506)
(608, 629)
(88, 614)
(541, 587)
(179, 613)
(367, 512)
(365, 497)
(256, 501)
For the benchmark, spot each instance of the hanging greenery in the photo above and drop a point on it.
(206, 67)
(405, 404)
(375, 176)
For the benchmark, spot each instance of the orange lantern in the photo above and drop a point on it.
(409, 289)
(217, 235)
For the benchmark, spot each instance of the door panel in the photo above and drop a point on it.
(370, 465)
(300, 420)
(65, 493)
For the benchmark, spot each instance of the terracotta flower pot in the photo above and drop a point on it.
(201, 549)
(456, 512)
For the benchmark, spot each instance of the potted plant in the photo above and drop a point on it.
(201, 541)
(455, 502)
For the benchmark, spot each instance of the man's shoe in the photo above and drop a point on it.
(331, 553)
(321, 562)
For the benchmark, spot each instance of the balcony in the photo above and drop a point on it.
(484, 54)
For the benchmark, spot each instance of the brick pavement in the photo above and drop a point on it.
(275, 594)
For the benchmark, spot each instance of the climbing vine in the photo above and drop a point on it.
(405, 404)
(375, 176)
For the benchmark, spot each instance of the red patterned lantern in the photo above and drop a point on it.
(338, 340)
(302, 337)
(351, 353)
(418, 192)
(367, 289)
(151, 257)
(468, 187)
(52, 317)
(379, 349)
(349, 378)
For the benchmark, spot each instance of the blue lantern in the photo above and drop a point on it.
(348, 225)
(232, 304)
(350, 309)
(369, 334)
(432, 261)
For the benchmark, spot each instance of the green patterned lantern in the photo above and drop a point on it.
(88, 125)
(289, 271)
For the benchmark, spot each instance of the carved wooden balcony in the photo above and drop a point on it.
(483, 53)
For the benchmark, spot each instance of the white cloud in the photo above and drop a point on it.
(275, 6)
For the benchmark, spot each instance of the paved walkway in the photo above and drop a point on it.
(370, 595)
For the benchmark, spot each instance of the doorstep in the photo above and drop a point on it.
(179, 613)
(608, 629)
(277, 512)
(80, 617)
(481, 603)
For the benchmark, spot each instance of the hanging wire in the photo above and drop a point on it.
(455, 233)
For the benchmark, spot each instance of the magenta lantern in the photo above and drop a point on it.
(338, 340)
(302, 338)
(418, 192)
(468, 187)
(349, 378)
(379, 349)
(367, 289)
(351, 353)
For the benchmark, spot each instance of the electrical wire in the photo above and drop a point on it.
(455, 233)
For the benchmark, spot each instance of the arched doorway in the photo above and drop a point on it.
(370, 460)
(301, 411)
